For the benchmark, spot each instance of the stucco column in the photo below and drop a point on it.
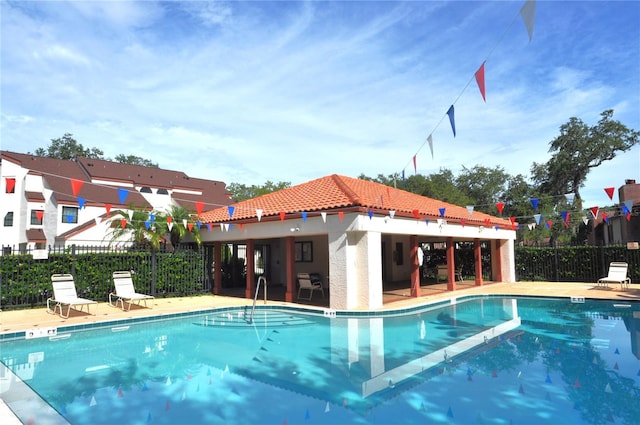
(415, 266)
(290, 264)
(477, 260)
(496, 260)
(451, 265)
(217, 267)
(249, 287)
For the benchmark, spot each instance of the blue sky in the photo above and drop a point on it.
(251, 91)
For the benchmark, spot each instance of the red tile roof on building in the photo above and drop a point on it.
(336, 193)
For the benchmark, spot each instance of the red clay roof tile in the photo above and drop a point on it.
(336, 192)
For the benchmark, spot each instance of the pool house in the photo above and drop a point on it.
(359, 238)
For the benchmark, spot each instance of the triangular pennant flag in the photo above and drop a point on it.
(75, 186)
(538, 217)
(610, 191)
(605, 217)
(11, 184)
(324, 217)
(199, 207)
(487, 222)
(442, 211)
(304, 215)
(341, 215)
(570, 197)
(451, 113)
(480, 80)
(402, 178)
(500, 206)
(231, 209)
(81, 202)
(392, 213)
(169, 219)
(415, 168)
(282, 215)
(123, 193)
(531, 226)
(585, 220)
(628, 216)
(123, 223)
(147, 224)
(416, 213)
(69, 218)
(170, 225)
(184, 223)
(594, 211)
(209, 226)
(629, 204)
(470, 210)
(549, 224)
(224, 227)
(528, 13)
(565, 217)
(39, 215)
(239, 226)
(625, 210)
(463, 222)
(370, 213)
(130, 212)
(534, 203)
(152, 217)
(190, 226)
(108, 208)
(259, 213)
(512, 219)
(198, 224)
(430, 141)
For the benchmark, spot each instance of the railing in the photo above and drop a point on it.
(255, 297)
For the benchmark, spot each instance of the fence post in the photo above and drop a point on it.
(153, 271)
(556, 275)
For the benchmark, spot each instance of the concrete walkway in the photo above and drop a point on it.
(20, 320)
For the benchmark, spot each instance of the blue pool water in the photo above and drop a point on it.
(477, 361)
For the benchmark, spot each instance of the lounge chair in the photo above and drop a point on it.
(125, 291)
(305, 282)
(442, 272)
(64, 293)
(617, 274)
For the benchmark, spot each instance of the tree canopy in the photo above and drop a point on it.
(67, 147)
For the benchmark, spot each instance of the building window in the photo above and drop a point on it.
(10, 185)
(162, 192)
(304, 252)
(145, 189)
(8, 219)
(36, 217)
(69, 214)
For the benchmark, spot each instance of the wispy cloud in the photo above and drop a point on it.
(289, 91)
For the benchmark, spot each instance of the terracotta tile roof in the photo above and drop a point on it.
(335, 193)
(36, 235)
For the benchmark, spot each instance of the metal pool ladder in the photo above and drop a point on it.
(255, 297)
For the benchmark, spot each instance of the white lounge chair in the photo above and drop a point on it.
(617, 274)
(305, 282)
(64, 293)
(125, 291)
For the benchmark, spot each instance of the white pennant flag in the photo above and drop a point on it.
(585, 220)
(184, 222)
(259, 213)
(470, 210)
(170, 225)
(392, 213)
(324, 217)
(528, 13)
(430, 140)
(225, 227)
(538, 217)
(130, 215)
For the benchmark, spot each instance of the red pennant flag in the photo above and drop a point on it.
(190, 226)
(463, 222)
(282, 214)
(415, 213)
(500, 206)
(75, 186)
(240, 226)
(487, 222)
(123, 223)
(480, 81)
(199, 207)
(513, 219)
(11, 184)
(169, 219)
(209, 226)
(628, 216)
(609, 191)
(594, 211)
(415, 169)
(341, 215)
(39, 214)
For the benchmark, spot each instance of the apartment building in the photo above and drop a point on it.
(47, 202)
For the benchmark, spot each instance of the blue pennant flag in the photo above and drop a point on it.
(122, 193)
(534, 203)
(231, 209)
(81, 202)
(452, 119)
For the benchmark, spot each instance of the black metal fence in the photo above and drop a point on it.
(573, 263)
(25, 277)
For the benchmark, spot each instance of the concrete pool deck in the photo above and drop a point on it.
(20, 320)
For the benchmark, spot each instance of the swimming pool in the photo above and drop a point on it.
(478, 360)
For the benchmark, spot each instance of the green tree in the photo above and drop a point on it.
(66, 147)
(242, 192)
(135, 160)
(178, 230)
(577, 150)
